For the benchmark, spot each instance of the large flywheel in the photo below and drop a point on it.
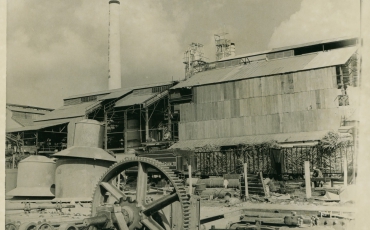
(136, 209)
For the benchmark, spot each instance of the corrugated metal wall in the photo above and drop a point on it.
(298, 102)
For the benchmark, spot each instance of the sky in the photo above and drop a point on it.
(60, 48)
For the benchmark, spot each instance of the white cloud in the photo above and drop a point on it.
(317, 20)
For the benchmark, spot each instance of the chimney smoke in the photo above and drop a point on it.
(114, 52)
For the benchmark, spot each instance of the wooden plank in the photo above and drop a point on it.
(263, 106)
(236, 88)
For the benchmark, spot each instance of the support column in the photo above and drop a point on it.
(146, 124)
(307, 177)
(190, 180)
(125, 130)
(106, 130)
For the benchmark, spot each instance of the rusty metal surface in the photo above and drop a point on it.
(35, 177)
(76, 178)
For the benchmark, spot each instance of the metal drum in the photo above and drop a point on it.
(80, 166)
(89, 133)
(76, 178)
(35, 177)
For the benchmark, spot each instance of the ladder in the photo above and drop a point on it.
(255, 185)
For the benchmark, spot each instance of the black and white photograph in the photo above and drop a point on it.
(184, 115)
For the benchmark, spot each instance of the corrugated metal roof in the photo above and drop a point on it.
(34, 127)
(331, 58)
(281, 138)
(116, 94)
(324, 41)
(134, 99)
(27, 110)
(117, 90)
(23, 121)
(67, 111)
(270, 67)
(253, 69)
(285, 48)
(27, 106)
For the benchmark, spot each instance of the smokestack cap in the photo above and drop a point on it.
(114, 1)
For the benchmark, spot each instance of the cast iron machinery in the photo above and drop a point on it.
(113, 208)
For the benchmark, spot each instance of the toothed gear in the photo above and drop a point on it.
(138, 210)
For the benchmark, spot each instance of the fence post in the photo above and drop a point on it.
(246, 180)
(345, 172)
(307, 176)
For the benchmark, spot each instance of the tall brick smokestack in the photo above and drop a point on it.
(114, 53)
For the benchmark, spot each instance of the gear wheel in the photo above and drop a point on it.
(136, 211)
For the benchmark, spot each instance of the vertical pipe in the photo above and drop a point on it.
(146, 124)
(246, 180)
(190, 180)
(125, 129)
(345, 172)
(114, 53)
(307, 178)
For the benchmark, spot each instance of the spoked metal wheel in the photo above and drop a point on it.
(136, 210)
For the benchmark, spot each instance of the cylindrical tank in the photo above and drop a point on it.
(79, 167)
(89, 133)
(35, 177)
(133, 133)
(10, 179)
(76, 178)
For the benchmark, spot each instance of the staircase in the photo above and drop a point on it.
(255, 185)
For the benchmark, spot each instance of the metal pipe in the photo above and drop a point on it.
(96, 220)
(30, 206)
